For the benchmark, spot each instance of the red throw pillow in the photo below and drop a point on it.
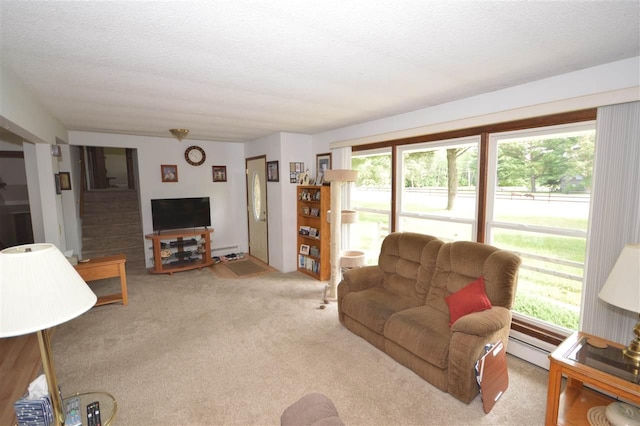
(471, 298)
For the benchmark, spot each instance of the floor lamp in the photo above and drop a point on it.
(39, 289)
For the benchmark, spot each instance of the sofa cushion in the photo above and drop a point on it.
(422, 331)
(374, 306)
(401, 260)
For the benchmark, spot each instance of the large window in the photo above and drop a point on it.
(538, 207)
(371, 198)
(438, 189)
(523, 186)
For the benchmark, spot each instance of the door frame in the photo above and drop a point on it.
(266, 199)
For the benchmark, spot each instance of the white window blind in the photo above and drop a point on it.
(615, 216)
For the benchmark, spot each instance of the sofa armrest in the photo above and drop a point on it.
(358, 279)
(362, 278)
(469, 335)
(483, 323)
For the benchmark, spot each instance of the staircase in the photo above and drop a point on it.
(111, 224)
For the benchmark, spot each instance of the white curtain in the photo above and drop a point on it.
(615, 216)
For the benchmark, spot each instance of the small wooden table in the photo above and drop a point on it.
(106, 267)
(603, 368)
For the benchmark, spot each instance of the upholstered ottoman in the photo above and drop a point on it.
(312, 409)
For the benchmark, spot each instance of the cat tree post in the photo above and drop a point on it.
(337, 178)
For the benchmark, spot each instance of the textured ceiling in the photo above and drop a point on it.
(237, 70)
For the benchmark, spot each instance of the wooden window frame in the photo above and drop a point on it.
(484, 131)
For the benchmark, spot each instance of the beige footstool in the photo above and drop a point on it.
(312, 409)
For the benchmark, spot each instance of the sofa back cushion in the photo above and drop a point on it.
(461, 262)
(408, 261)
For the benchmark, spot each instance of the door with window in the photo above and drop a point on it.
(257, 208)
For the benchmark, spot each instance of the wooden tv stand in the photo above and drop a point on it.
(181, 259)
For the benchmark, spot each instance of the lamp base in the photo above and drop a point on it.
(632, 351)
(50, 372)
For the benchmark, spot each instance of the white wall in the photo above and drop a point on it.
(228, 199)
(295, 148)
(608, 84)
(69, 161)
(44, 203)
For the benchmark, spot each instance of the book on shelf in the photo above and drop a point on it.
(305, 262)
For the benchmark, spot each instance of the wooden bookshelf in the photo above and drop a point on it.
(314, 231)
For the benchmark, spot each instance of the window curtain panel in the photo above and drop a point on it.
(614, 218)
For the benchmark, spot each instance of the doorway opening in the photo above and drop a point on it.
(107, 168)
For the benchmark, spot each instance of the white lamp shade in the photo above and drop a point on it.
(39, 289)
(622, 288)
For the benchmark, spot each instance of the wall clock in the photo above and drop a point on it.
(195, 155)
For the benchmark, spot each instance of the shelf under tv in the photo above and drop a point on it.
(177, 240)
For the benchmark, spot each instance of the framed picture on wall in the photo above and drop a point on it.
(323, 163)
(65, 181)
(295, 168)
(272, 171)
(169, 172)
(219, 173)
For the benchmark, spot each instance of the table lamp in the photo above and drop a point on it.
(622, 289)
(40, 289)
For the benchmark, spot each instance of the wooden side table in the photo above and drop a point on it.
(603, 368)
(106, 267)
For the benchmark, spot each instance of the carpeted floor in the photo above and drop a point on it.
(196, 348)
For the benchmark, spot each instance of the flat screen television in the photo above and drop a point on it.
(180, 213)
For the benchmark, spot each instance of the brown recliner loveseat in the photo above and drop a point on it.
(401, 306)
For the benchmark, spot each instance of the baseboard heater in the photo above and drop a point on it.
(223, 248)
(530, 349)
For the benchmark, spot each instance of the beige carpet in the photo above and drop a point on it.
(199, 349)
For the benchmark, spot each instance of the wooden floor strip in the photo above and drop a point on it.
(20, 364)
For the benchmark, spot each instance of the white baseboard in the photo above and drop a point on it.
(530, 349)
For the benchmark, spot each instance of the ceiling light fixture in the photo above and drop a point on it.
(179, 133)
